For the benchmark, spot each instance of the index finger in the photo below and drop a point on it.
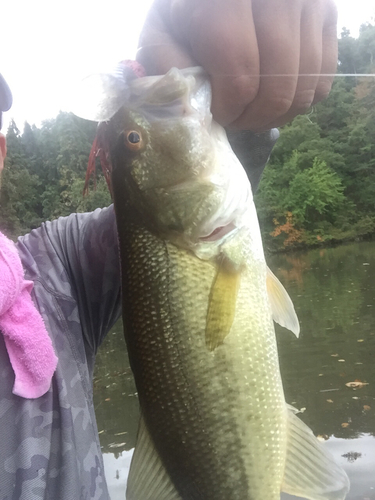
(221, 37)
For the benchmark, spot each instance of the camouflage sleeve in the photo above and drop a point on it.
(83, 250)
(253, 151)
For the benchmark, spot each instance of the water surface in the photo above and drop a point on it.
(334, 295)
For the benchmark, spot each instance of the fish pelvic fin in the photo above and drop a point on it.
(310, 470)
(148, 478)
(282, 306)
(222, 303)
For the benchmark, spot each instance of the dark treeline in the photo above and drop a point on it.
(319, 186)
(44, 173)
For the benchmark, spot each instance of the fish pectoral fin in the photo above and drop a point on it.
(282, 306)
(222, 304)
(148, 478)
(310, 470)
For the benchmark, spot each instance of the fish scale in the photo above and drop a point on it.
(200, 404)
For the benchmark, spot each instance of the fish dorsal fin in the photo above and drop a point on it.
(282, 307)
(222, 304)
(148, 479)
(310, 470)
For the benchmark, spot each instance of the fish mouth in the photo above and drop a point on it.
(219, 232)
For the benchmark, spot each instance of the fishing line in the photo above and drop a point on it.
(318, 74)
(281, 75)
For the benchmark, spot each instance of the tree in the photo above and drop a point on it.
(19, 188)
(45, 171)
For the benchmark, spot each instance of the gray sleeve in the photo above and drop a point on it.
(253, 151)
(78, 256)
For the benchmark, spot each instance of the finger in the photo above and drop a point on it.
(310, 63)
(278, 32)
(159, 50)
(222, 40)
(330, 53)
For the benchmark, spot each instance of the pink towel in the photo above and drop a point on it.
(27, 341)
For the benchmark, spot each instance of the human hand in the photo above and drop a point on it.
(268, 60)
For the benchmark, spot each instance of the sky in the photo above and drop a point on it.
(48, 46)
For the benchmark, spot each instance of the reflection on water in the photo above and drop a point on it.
(334, 294)
(117, 470)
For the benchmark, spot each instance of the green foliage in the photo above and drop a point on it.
(320, 183)
(44, 173)
(357, 55)
(314, 194)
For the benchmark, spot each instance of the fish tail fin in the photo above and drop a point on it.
(310, 470)
(148, 478)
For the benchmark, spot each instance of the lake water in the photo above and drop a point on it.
(333, 291)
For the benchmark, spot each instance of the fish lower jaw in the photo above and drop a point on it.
(218, 233)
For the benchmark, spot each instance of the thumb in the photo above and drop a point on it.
(159, 50)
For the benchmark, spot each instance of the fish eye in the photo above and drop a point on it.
(134, 137)
(133, 140)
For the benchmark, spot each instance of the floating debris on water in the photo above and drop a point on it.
(357, 384)
(116, 445)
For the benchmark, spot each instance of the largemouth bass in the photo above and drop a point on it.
(198, 310)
